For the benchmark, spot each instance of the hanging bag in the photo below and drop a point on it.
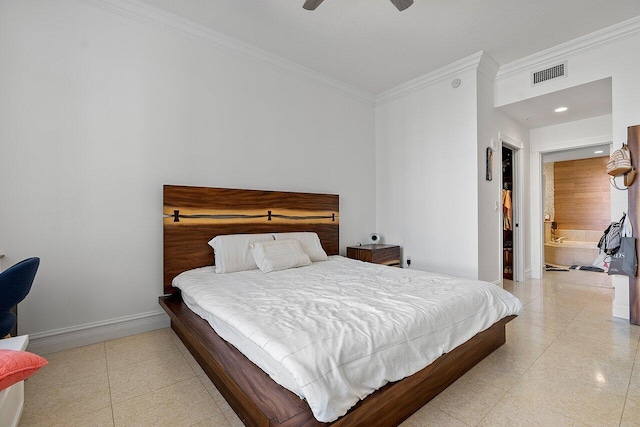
(620, 161)
(620, 164)
(610, 240)
(624, 261)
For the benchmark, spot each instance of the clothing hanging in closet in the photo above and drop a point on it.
(506, 209)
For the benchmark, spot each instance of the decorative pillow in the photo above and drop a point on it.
(310, 243)
(279, 255)
(232, 251)
(16, 366)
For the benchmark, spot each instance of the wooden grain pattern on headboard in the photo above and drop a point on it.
(203, 213)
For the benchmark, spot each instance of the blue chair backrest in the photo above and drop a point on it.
(16, 281)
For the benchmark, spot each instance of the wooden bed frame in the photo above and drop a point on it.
(192, 217)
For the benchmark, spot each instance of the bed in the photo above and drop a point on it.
(193, 215)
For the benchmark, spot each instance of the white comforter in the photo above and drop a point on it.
(342, 328)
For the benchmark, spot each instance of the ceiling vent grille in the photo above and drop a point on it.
(554, 72)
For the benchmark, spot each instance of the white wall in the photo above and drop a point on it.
(570, 135)
(492, 123)
(427, 174)
(432, 196)
(613, 53)
(99, 110)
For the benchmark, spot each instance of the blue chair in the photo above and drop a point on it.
(15, 284)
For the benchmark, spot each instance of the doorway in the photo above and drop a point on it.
(511, 196)
(507, 213)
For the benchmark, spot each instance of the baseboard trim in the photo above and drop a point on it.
(620, 311)
(92, 333)
(528, 274)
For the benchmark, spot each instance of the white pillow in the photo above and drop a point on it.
(233, 252)
(279, 255)
(310, 243)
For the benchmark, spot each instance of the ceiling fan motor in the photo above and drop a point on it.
(400, 4)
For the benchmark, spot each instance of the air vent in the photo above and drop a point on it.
(554, 72)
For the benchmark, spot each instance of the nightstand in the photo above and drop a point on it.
(377, 254)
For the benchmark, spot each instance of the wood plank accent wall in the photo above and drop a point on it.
(633, 139)
(582, 194)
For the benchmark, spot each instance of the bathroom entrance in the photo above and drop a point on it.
(577, 207)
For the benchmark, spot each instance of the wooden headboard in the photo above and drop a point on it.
(195, 215)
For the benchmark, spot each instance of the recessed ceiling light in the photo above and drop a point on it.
(598, 152)
(560, 109)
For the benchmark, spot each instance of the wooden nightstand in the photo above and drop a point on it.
(377, 254)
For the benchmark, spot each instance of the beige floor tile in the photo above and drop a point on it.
(193, 363)
(468, 400)
(138, 348)
(182, 404)
(229, 414)
(521, 330)
(430, 416)
(597, 349)
(211, 388)
(634, 384)
(570, 286)
(559, 392)
(631, 415)
(582, 372)
(100, 418)
(217, 421)
(577, 352)
(555, 296)
(609, 330)
(185, 352)
(551, 320)
(176, 340)
(59, 405)
(602, 302)
(522, 350)
(550, 305)
(70, 365)
(525, 292)
(133, 380)
(499, 370)
(507, 415)
(588, 278)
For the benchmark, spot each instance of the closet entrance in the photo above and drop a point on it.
(509, 223)
(512, 259)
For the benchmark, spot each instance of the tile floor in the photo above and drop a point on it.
(566, 362)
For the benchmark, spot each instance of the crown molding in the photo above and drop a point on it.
(469, 63)
(151, 15)
(573, 47)
(488, 67)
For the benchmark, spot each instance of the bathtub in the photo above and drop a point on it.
(570, 252)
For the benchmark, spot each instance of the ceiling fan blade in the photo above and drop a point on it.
(312, 4)
(402, 4)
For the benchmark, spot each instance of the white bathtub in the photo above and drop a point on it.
(570, 252)
(573, 244)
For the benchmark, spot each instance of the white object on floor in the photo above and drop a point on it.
(12, 398)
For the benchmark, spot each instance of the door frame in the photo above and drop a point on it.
(517, 203)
